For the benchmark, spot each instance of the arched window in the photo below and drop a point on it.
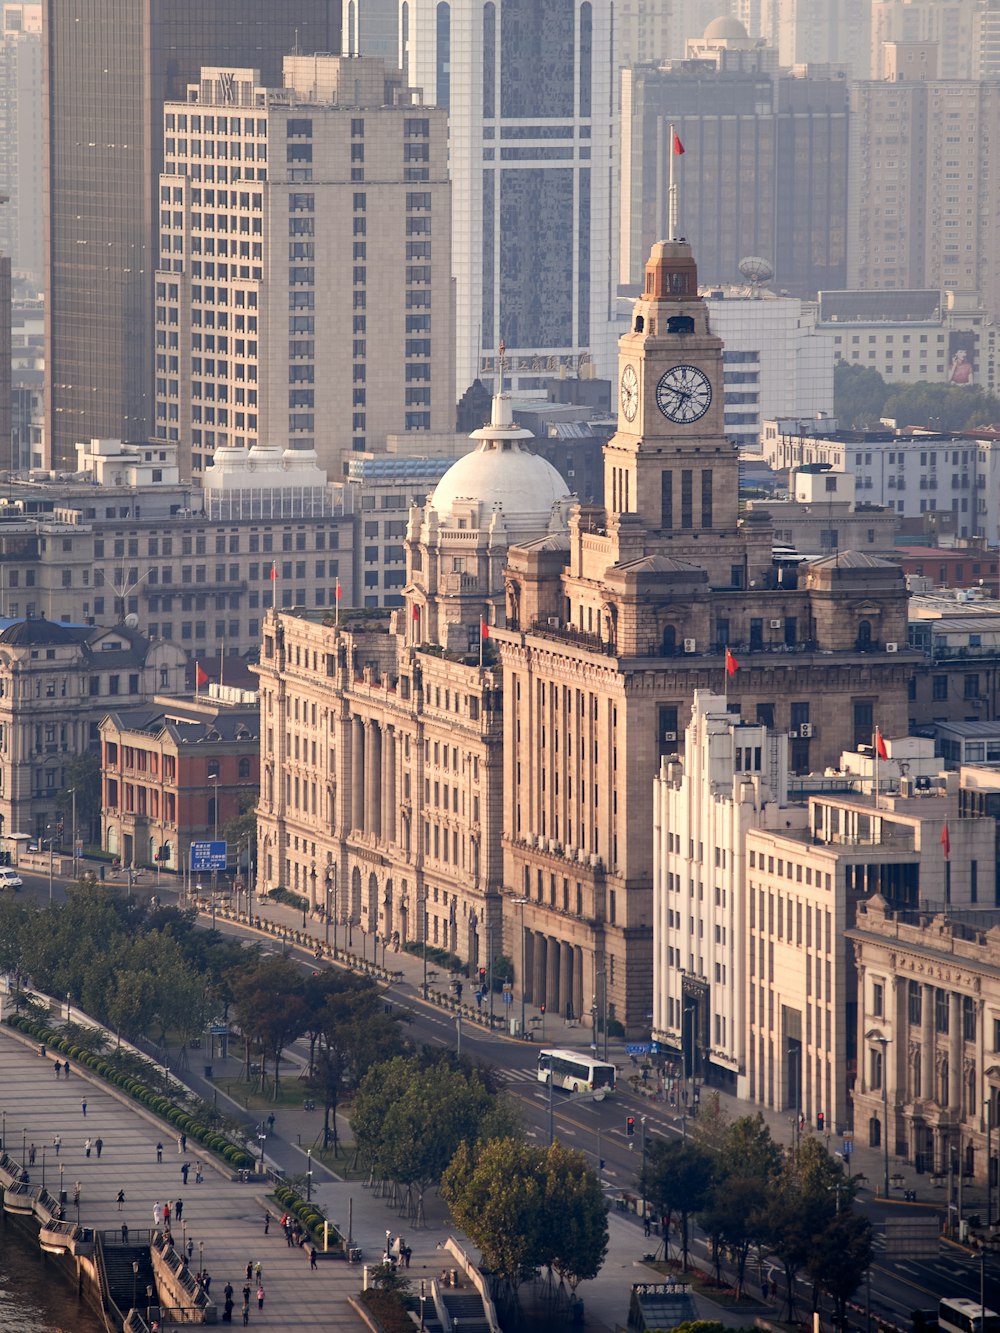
(874, 1132)
(669, 644)
(864, 636)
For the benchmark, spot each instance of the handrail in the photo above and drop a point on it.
(478, 1281)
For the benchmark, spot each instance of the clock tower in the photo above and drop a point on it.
(669, 462)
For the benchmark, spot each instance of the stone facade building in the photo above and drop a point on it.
(610, 630)
(382, 733)
(929, 1023)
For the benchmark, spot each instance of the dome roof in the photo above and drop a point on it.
(726, 28)
(502, 474)
(36, 632)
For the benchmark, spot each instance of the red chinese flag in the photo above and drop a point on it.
(678, 146)
(274, 572)
(484, 629)
(339, 591)
(416, 613)
(946, 841)
(200, 676)
(732, 666)
(880, 749)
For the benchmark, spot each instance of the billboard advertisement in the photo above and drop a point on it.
(961, 357)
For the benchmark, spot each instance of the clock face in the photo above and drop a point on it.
(629, 393)
(683, 394)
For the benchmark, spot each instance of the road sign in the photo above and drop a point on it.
(208, 856)
(508, 997)
(217, 1029)
(637, 1048)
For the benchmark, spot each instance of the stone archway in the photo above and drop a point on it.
(372, 905)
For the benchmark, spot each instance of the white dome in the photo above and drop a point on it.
(503, 474)
(726, 28)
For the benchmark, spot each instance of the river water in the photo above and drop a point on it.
(36, 1295)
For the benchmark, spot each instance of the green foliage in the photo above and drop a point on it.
(440, 957)
(290, 899)
(241, 830)
(677, 1177)
(528, 1208)
(861, 397)
(82, 775)
(271, 1009)
(310, 1214)
(839, 1258)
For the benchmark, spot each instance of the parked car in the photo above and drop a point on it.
(10, 879)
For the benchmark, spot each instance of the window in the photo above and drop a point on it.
(941, 1010)
(968, 1018)
(914, 1007)
(878, 998)
(875, 1070)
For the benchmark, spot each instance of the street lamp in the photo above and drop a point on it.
(309, 1175)
(135, 1277)
(331, 887)
(312, 894)
(884, 1042)
(519, 902)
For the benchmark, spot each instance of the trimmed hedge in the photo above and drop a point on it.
(231, 1153)
(309, 1214)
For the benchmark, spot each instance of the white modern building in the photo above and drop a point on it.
(371, 28)
(303, 297)
(775, 363)
(21, 157)
(531, 90)
(912, 473)
(822, 515)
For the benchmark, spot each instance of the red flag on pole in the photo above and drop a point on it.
(678, 146)
(880, 749)
(338, 592)
(484, 629)
(200, 676)
(274, 572)
(946, 841)
(732, 666)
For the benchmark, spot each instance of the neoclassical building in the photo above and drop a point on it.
(382, 734)
(611, 626)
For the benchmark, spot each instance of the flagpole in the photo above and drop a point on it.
(876, 778)
(672, 189)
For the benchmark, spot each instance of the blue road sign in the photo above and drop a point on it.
(637, 1048)
(208, 856)
(507, 997)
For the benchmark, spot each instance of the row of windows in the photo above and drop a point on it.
(188, 545)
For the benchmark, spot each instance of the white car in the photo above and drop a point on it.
(10, 879)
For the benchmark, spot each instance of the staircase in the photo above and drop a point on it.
(465, 1312)
(122, 1279)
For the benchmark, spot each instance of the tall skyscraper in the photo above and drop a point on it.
(21, 137)
(764, 170)
(821, 32)
(303, 297)
(922, 190)
(371, 28)
(531, 89)
(954, 26)
(109, 67)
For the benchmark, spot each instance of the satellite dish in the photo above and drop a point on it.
(756, 270)
(132, 621)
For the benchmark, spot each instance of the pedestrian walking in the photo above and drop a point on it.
(774, 1289)
(646, 1226)
(98, 1147)
(267, 1223)
(246, 1291)
(184, 1143)
(190, 1248)
(249, 1273)
(270, 1123)
(83, 1108)
(66, 1068)
(58, 1068)
(198, 1177)
(258, 1272)
(312, 1256)
(246, 1312)
(31, 1155)
(166, 1213)
(179, 1209)
(86, 1146)
(157, 1214)
(77, 1191)
(121, 1200)
(260, 1298)
(57, 1142)
(227, 1291)
(763, 1291)
(206, 1282)
(185, 1168)
(124, 1233)
(159, 1152)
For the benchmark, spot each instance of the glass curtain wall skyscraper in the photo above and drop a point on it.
(109, 67)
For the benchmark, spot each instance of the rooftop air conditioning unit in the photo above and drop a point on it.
(553, 622)
(775, 624)
(892, 647)
(793, 735)
(670, 735)
(690, 645)
(806, 730)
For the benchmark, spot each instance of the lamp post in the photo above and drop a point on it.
(214, 779)
(135, 1277)
(423, 1298)
(519, 902)
(48, 830)
(884, 1042)
(3, 1130)
(201, 1256)
(309, 1175)
(24, 1146)
(331, 888)
(423, 922)
(312, 893)
(72, 792)
(43, 1168)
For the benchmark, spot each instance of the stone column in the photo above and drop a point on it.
(373, 768)
(565, 979)
(577, 981)
(526, 961)
(955, 1052)
(540, 954)
(389, 786)
(552, 989)
(927, 1060)
(357, 773)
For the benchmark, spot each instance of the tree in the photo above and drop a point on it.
(271, 1011)
(840, 1256)
(241, 830)
(858, 395)
(801, 1207)
(82, 776)
(576, 1212)
(676, 1178)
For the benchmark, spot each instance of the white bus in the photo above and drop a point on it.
(956, 1314)
(574, 1071)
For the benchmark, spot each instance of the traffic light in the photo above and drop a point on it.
(482, 976)
(630, 1125)
(543, 1008)
(820, 1121)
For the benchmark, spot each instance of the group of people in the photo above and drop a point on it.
(230, 1304)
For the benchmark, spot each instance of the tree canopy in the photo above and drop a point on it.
(861, 397)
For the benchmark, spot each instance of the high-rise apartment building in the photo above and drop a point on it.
(954, 26)
(764, 171)
(303, 295)
(531, 87)
(922, 211)
(21, 137)
(109, 65)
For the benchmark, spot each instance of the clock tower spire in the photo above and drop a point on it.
(669, 463)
